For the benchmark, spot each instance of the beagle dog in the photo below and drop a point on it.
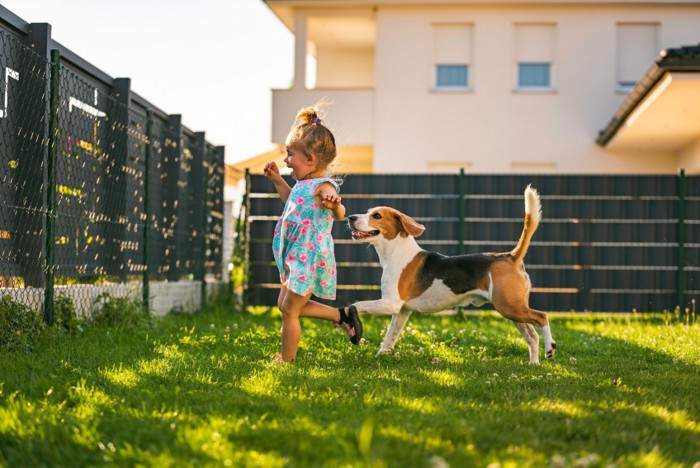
(416, 280)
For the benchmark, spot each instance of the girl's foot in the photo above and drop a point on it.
(278, 360)
(350, 322)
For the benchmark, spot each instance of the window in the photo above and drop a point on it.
(637, 47)
(452, 76)
(534, 52)
(452, 56)
(534, 75)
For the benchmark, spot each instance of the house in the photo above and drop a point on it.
(499, 86)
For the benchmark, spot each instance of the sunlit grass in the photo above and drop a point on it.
(458, 391)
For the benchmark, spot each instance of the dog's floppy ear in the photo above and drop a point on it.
(411, 226)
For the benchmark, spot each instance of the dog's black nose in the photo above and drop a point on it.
(352, 218)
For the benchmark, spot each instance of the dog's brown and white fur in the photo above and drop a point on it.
(415, 280)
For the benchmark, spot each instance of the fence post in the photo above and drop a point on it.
(246, 245)
(680, 283)
(116, 183)
(238, 251)
(218, 174)
(460, 212)
(172, 153)
(202, 273)
(51, 186)
(31, 147)
(146, 288)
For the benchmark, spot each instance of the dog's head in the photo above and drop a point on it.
(383, 224)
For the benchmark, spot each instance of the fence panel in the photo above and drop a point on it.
(691, 254)
(98, 186)
(606, 243)
(163, 177)
(23, 149)
(215, 208)
(91, 179)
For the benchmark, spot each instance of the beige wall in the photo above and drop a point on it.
(493, 129)
(354, 160)
(349, 113)
(689, 158)
(349, 68)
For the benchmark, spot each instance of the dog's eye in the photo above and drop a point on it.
(377, 216)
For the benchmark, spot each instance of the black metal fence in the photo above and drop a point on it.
(606, 243)
(98, 185)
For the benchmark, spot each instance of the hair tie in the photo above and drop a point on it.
(317, 120)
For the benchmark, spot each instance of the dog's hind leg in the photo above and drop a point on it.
(549, 344)
(393, 332)
(540, 319)
(526, 315)
(510, 300)
(532, 339)
(519, 316)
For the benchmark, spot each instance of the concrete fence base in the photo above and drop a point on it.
(165, 296)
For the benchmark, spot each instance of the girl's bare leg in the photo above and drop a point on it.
(317, 310)
(313, 309)
(291, 307)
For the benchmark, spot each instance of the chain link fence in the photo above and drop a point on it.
(100, 192)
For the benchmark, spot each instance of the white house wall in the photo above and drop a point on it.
(493, 128)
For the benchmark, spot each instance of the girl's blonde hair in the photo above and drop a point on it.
(311, 136)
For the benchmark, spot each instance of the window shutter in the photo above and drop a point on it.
(637, 47)
(534, 43)
(453, 44)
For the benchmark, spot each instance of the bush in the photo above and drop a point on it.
(20, 326)
(109, 311)
(65, 314)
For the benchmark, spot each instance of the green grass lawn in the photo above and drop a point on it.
(458, 391)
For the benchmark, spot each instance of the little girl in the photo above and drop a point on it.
(302, 243)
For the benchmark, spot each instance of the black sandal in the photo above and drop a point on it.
(351, 323)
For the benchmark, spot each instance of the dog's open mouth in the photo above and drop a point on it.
(360, 235)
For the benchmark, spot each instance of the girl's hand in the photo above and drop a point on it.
(331, 201)
(271, 170)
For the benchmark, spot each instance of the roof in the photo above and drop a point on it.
(236, 171)
(662, 112)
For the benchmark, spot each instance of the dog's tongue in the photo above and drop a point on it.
(360, 234)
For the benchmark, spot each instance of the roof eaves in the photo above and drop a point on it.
(681, 59)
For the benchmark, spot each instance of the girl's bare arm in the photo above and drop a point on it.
(330, 200)
(272, 172)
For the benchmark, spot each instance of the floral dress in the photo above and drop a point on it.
(303, 245)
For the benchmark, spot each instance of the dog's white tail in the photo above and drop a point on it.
(533, 214)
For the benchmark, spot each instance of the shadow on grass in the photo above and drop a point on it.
(200, 394)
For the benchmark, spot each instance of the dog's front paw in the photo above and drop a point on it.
(384, 351)
(550, 352)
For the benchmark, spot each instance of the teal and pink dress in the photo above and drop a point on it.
(303, 245)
